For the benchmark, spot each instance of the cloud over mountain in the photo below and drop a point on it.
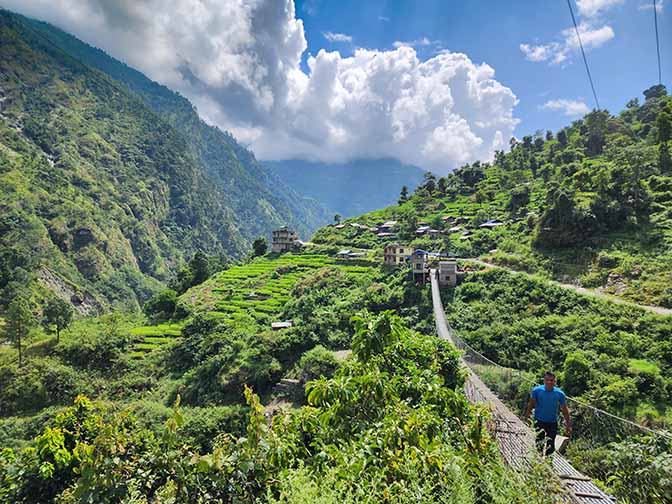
(239, 63)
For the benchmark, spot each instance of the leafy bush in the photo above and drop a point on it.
(161, 306)
(317, 362)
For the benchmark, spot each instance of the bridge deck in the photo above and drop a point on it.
(514, 437)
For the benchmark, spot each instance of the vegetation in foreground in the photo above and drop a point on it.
(614, 357)
(391, 425)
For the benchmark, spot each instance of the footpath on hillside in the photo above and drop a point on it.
(581, 290)
(515, 439)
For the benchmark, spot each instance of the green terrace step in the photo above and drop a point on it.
(152, 337)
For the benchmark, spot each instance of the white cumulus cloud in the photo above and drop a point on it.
(591, 38)
(649, 6)
(558, 52)
(424, 41)
(571, 108)
(337, 37)
(538, 53)
(590, 8)
(239, 62)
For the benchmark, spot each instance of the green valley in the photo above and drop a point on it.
(155, 348)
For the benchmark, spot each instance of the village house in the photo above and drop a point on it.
(419, 265)
(426, 230)
(422, 261)
(396, 253)
(448, 219)
(349, 254)
(422, 230)
(276, 326)
(387, 227)
(285, 240)
(448, 273)
(491, 224)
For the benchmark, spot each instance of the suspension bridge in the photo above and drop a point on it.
(515, 438)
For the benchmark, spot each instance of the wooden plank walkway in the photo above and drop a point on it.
(515, 439)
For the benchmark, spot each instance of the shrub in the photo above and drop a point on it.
(317, 362)
(161, 306)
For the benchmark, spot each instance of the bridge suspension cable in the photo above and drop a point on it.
(583, 53)
(655, 23)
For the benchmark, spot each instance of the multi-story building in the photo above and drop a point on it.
(420, 266)
(396, 254)
(284, 240)
(448, 273)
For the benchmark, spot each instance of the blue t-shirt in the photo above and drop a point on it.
(548, 401)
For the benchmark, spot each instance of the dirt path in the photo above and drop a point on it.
(581, 290)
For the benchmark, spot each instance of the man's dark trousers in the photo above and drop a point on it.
(546, 432)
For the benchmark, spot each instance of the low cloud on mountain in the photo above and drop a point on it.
(239, 63)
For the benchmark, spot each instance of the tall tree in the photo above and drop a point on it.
(562, 137)
(58, 313)
(260, 246)
(337, 218)
(596, 125)
(20, 320)
(200, 268)
(664, 124)
(403, 196)
(429, 182)
(442, 185)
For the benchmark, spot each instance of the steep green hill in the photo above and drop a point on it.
(351, 188)
(261, 200)
(591, 204)
(99, 196)
(102, 199)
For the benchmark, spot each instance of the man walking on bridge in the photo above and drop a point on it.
(545, 400)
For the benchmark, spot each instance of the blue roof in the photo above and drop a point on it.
(420, 251)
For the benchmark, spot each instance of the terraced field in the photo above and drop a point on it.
(148, 338)
(261, 288)
(256, 291)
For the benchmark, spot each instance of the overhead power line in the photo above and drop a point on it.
(583, 53)
(655, 23)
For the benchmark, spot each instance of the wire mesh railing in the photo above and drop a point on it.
(512, 386)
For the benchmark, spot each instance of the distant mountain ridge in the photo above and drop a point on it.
(352, 188)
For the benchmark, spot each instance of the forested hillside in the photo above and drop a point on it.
(352, 188)
(99, 195)
(178, 420)
(590, 204)
(260, 200)
(102, 199)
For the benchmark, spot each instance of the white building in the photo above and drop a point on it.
(448, 273)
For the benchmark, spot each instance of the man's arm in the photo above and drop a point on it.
(530, 406)
(568, 422)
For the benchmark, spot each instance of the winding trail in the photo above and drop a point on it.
(659, 310)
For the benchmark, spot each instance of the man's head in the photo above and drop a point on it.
(549, 380)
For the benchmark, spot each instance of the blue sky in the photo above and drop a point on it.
(433, 83)
(492, 31)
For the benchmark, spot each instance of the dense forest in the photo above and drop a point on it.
(140, 363)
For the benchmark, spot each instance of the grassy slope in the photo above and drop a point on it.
(632, 259)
